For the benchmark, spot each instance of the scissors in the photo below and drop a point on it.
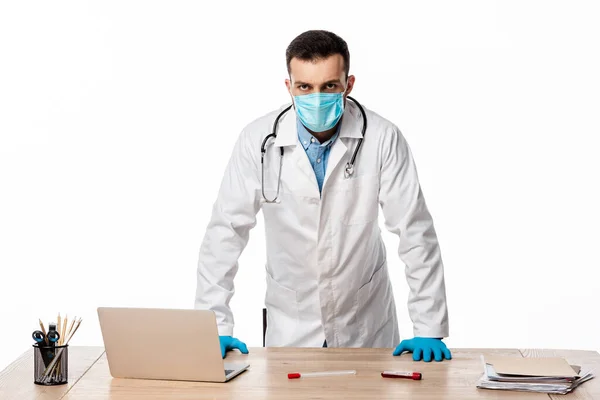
(46, 343)
(40, 338)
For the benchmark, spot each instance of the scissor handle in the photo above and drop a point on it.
(38, 336)
(53, 336)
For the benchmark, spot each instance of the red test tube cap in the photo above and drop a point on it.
(294, 375)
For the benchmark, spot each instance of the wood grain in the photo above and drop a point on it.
(16, 380)
(585, 359)
(90, 379)
(267, 378)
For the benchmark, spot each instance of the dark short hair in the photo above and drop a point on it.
(315, 45)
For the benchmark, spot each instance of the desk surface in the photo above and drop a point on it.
(89, 377)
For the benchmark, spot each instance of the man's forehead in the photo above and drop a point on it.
(317, 71)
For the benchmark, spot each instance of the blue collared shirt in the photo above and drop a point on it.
(318, 153)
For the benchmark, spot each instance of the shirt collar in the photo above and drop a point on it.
(305, 136)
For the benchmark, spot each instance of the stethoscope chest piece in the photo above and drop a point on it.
(349, 170)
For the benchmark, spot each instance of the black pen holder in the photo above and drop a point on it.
(50, 364)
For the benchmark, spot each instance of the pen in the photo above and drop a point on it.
(416, 376)
(296, 375)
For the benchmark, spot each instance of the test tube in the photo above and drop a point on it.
(296, 375)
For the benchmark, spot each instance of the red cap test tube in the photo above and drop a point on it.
(416, 376)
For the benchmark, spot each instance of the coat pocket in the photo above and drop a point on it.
(282, 313)
(373, 303)
(357, 200)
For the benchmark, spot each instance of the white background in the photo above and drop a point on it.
(117, 119)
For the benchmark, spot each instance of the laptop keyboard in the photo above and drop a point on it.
(228, 371)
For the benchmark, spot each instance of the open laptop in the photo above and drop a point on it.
(167, 344)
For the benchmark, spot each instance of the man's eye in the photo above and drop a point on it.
(303, 87)
(331, 86)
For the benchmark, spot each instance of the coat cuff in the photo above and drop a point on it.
(437, 332)
(225, 330)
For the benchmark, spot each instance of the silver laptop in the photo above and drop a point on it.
(168, 344)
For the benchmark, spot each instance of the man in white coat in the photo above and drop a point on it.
(326, 270)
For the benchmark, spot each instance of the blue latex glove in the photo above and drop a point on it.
(230, 343)
(425, 347)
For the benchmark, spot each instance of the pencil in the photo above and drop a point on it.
(43, 331)
(58, 325)
(71, 327)
(63, 332)
(75, 330)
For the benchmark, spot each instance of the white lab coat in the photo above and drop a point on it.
(326, 270)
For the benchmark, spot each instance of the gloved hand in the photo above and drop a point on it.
(230, 343)
(424, 346)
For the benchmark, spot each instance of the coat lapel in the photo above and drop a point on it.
(300, 175)
(349, 133)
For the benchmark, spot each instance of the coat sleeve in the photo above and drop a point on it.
(407, 215)
(233, 216)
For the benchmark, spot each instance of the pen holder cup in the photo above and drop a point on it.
(50, 365)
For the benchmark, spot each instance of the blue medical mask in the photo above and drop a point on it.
(319, 111)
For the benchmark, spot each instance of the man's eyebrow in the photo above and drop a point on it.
(298, 83)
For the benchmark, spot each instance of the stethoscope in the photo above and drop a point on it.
(349, 166)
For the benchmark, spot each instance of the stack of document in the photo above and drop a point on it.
(542, 375)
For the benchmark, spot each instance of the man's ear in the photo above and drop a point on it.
(350, 84)
(288, 85)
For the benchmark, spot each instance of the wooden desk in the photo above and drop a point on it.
(90, 379)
